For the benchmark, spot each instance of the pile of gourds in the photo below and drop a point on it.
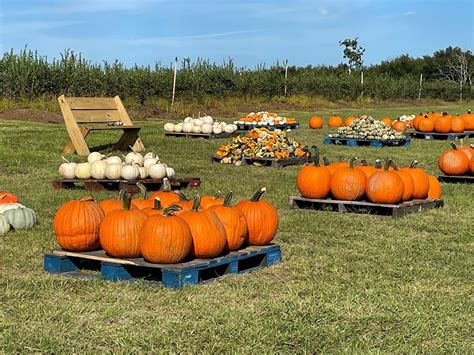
(205, 124)
(135, 166)
(166, 227)
(366, 127)
(457, 161)
(443, 122)
(378, 184)
(407, 119)
(13, 215)
(264, 118)
(260, 143)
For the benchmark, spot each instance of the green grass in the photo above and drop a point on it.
(346, 283)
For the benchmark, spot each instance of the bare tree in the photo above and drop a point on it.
(458, 70)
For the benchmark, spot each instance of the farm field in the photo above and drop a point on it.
(347, 282)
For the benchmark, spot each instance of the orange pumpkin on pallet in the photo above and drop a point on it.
(335, 121)
(408, 183)
(348, 183)
(313, 180)
(112, 204)
(457, 124)
(211, 200)
(385, 186)
(426, 124)
(315, 122)
(420, 180)
(143, 202)
(387, 121)
(443, 124)
(453, 161)
(435, 192)
(399, 126)
(367, 169)
(468, 121)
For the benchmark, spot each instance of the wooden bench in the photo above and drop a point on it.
(85, 114)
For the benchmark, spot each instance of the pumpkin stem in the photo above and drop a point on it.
(388, 163)
(131, 148)
(352, 161)
(413, 164)
(67, 161)
(326, 161)
(217, 195)
(87, 198)
(378, 164)
(143, 192)
(363, 162)
(258, 194)
(196, 203)
(166, 185)
(127, 200)
(453, 145)
(121, 194)
(181, 195)
(315, 157)
(170, 209)
(228, 198)
(157, 203)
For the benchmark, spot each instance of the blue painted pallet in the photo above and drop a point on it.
(441, 136)
(75, 264)
(249, 127)
(368, 142)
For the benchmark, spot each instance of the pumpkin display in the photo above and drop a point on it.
(421, 183)
(435, 190)
(211, 200)
(157, 208)
(120, 231)
(366, 127)
(385, 186)
(262, 218)
(457, 124)
(313, 180)
(348, 183)
(165, 239)
(335, 121)
(387, 121)
(201, 124)
(4, 224)
(399, 126)
(77, 224)
(208, 233)
(21, 218)
(349, 120)
(264, 118)
(315, 122)
(166, 196)
(453, 161)
(233, 221)
(7, 197)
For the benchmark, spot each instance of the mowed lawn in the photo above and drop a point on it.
(346, 283)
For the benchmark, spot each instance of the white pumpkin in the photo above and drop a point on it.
(228, 129)
(206, 128)
(83, 170)
(169, 172)
(143, 172)
(188, 119)
(157, 171)
(9, 206)
(98, 169)
(134, 158)
(197, 129)
(207, 120)
(178, 127)
(188, 127)
(130, 172)
(150, 161)
(150, 155)
(94, 156)
(169, 127)
(197, 122)
(114, 159)
(67, 170)
(217, 130)
(222, 125)
(4, 224)
(235, 127)
(113, 171)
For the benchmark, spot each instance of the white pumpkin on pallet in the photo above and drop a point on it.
(217, 130)
(94, 156)
(197, 122)
(169, 127)
(178, 127)
(197, 129)
(130, 172)
(143, 173)
(188, 127)
(188, 119)
(83, 170)
(67, 170)
(150, 155)
(170, 172)
(207, 120)
(114, 159)
(113, 171)
(157, 171)
(150, 161)
(98, 169)
(206, 128)
(134, 158)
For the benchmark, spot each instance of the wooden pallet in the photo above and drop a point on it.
(467, 179)
(269, 162)
(131, 186)
(441, 136)
(363, 207)
(249, 127)
(74, 264)
(368, 142)
(200, 135)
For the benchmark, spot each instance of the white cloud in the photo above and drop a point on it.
(410, 13)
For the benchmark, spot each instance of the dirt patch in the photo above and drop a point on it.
(25, 114)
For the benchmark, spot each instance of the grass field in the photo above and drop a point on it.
(347, 282)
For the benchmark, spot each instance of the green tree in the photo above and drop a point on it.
(353, 53)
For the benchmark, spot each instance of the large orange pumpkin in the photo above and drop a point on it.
(166, 196)
(184, 202)
(77, 224)
(165, 239)
(233, 221)
(399, 126)
(453, 161)
(120, 231)
(457, 124)
(262, 218)
(442, 124)
(385, 186)
(112, 204)
(348, 183)
(466, 150)
(334, 166)
(315, 122)
(367, 169)
(468, 121)
(7, 197)
(211, 200)
(313, 180)
(208, 233)
(435, 191)
(349, 120)
(335, 121)
(420, 180)
(416, 121)
(387, 121)
(426, 124)
(408, 183)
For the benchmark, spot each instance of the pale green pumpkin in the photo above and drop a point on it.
(21, 218)
(4, 224)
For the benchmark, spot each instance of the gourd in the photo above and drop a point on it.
(134, 158)
(165, 239)
(113, 171)
(196, 129)
(77, 223)
(188, 127)
(98, 169)
(348, 183)
(206, 128)
(385, 186)
(150, 161)
(315, 122)
(114, 159)
(67, 170)
(21, 218)
(313, 180)
(178, 127)
(83, 170)
(129, 172)
(150, 155)
(4, 224)
(120, 231)
(169, 127)
(157, 171)
(261, 217)
(207, 120)
(10, 206)
(170, 172)
(453, 161)
(94, 156)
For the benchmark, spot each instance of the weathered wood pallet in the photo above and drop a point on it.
(368, 142)
(74, 264)
(441, 136)
(131, 186)
(363, 207)
(269, 162)
(467, 179)
(249, 127)
(200, 135)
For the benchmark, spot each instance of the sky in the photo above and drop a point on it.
(304, 32)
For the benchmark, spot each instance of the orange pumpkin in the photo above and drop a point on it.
(112, 204)
(313, 180)
(471, 166)
(348, 183)
(184, 202)
(6, 197)
(335, 121)
(442, 124)
(367, 169)
(166, 196)
(120, 231)
(468, 121)
(399, 126)
(77, 224)
(387, 121)
(435, 191)
(143, 202)
(466, 150)
(165, 239)
(458, 124)
(453, 161)
(233, 221)
(211, 200)
(349, 120)
(420, 180)
(385, 186)
(408, 183)
(334, 166)
(315, 122)
(157, 209)
(262, 218)
(207, 231)
(426, 124)
(416, 121)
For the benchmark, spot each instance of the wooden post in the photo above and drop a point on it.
(286, 75)
(174, 80)
(419, 89)
(362, 83)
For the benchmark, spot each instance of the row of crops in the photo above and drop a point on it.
(27, 74)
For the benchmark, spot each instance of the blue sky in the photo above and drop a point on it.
(250, 31)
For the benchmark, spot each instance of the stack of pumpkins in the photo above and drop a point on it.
(366, 127)
(457, 161)
(13, 214)
(135, 166)
(443, 123)
(383, 185)
(165, 228)
(205, 124)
